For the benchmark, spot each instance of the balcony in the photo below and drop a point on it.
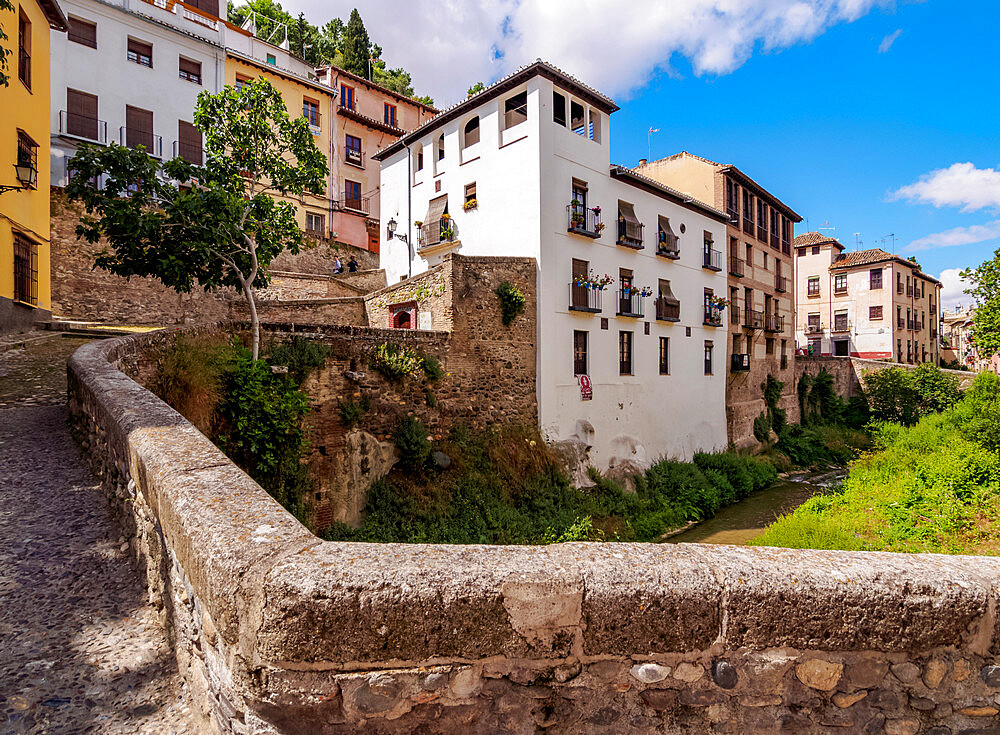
(774, 323)
(434, 233)
(630, 234)
(713, 316)
(669, 246)
(841, 326)
(582, 298)
(774, 241)
(189, 152)
(586, 221)
(899, 287)
(735, 266)
(668, 310)
(734, 212)
(762, 234)
(134, 138)
(900, 324)
(82, 126)
(739, 363)
(356, 204)
(786, 247)
(781, 284)
(734, 315)
(909, 325)
(814, 329)
(631, 303)
(747, 225)
(354, 157)
(712, 259)
(753, 319)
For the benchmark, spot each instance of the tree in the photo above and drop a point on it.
(215, 225)
(476, 88)
(4, 51)
(356, 46)
(985, 280)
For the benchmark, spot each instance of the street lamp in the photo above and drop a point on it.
(390, 229)
(26, 174)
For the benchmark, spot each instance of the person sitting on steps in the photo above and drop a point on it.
(352, 265)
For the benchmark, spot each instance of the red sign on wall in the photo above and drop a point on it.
(586, 388)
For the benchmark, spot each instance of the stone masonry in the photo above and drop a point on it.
(847, 371)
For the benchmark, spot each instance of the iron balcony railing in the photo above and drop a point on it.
(355, 157)
(841, 325)
(909, 324)
(735, 266)
(774, 240)
(901, 323)
(669, 246)
(781, 284)
(83, 126)
(630, 234)
(631, 303)
(712, 259)
(753, 319)
(358, 204)
(713, 315)
(189, 152)
(774, 323)
(582, 298)
(734, 315)
(786, 246)
(747, 224)
(583, 220)
(739, 363)
(762, 233)
(668, 310)
(133, 138)
(814, 329)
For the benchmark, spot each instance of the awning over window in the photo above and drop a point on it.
(668, 238)
(632, 227)
(666, 294)
(432, 223)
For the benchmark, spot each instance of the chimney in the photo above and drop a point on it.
(642, 161)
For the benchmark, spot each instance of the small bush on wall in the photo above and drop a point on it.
(352, 411)
(395, 362)
(511, 302)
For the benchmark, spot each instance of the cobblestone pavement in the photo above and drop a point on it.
(80, 649)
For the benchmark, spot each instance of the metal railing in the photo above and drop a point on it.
(841, 325)
(713, 315)
(781, 284)
(189, 152)
(357, 204)
(735, 266)
(668, 310)
(582, 298)
(761, 233)
(355, 157)
(814, 329)
(774, 323)
(134, 138)
(583, 220)
(669, 246)
(712, 259)
(753, 319)
(739, 363)
(631, 303)
(630, 234)
(901, 323)
(83, 126)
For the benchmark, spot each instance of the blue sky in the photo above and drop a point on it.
(879, 116)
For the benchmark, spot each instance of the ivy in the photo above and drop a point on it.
(511, 302)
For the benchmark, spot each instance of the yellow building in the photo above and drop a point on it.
(24, 164)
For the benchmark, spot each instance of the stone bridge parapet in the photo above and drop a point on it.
(276, 631)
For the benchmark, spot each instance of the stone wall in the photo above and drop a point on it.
(313, 312)
(847, 371)
(276, 631)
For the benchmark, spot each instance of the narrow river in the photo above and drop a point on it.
(747, 519)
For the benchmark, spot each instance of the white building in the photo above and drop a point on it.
(523, 169)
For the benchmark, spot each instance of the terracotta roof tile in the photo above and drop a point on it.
(861, 257)
(815, 238)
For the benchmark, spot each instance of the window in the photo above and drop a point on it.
(347, 96)
(840, 321)
(558, 109)
(419, 156)
(840, 283)
(390, 114)
(579, 195)
(352, 150)
(579, 352)
(747, 211)
(27, 154)
(666, 240)
(139, 128)
(188, 143)
(515, 110)
(761, 220)
(577, 121)
(81, 114)
(310, 111)
(470, 195)
(25, 270)
(580, 296)
(272, 60)
(439, 146)
(875, 278)
(769, 345)
(765, 260)
(352, 194)
(664, 355)
(708, 357)
(815, 249)
(813, 323)
(732, 199)
(315, 224)
(140, 52)
(470, 133)
(83, 32)
(595, 126)
(812, 286)
(242, 82)
(624, 353)
(800, 252)
(874, 312)
(189, 70)
(24, 49)
(749, 260)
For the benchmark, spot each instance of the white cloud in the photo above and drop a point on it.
(960, 185)
(953, 289)
(447, 45)
(889, 40)
(956, 236)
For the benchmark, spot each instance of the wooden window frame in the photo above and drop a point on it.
(347, 92)
(75, 24)
(664, 355)
(625, 352)
(390, 113)
(581, 354)
(24, 48)
(136, 56)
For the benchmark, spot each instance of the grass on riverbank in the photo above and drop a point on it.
(505, 487)
(932, 487)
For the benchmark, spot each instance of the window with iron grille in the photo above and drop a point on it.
(27, 153)
(708, 358)
(140, 53)
(664, 355)
(624, 353)
(874, 312)
(579, 352)
(875, 278)
(24, 49)
(25, 270)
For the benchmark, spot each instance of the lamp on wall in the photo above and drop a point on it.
(390, 229)
(26, 174)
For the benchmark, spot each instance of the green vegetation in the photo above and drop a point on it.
(985, 280)
(5, 5)
(901, 395)
(351, 412)
(504, 486)
(300, 355)
(930, 487)
(511, 302)
(432, 368)
(395, 362)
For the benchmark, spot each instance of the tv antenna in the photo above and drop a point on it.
(649, 143)
(827, 226)
(857, 240)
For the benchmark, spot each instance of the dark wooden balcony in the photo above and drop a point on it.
(581, 220)
(668, 310)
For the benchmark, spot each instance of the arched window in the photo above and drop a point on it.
(470, 134)
(440, 147)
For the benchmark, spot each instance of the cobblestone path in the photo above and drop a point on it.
(80, 649)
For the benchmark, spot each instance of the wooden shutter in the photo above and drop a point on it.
(432, 222)
(141, 50)
(189, 142)
(83, 32)
(139, 128)
(190, 68)
(81, 114)
(209, 6)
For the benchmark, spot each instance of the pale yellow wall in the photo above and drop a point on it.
(27, 110)
(687, 174)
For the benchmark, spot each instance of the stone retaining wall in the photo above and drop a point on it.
(276, 631)
(847, 371)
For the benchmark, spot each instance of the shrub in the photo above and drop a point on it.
(301, 355)
(512, 302)
(410, 438)
(824, 403)
(352, 411)
(977, 415)
(432, 368)
(189, 377)
(856, 413)
(892, 395)
(762, 428)
(802, 389)
(938, 390)
(395, 362)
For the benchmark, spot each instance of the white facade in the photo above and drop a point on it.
(524, 180)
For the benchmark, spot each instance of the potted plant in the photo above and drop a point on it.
(447, 233)
(471, 204)
(599, 227)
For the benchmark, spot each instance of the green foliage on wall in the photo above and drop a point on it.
(351, 412)
(300, 355)
(898, 394)
(410, 438)
(395, 362)
(512, 302)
